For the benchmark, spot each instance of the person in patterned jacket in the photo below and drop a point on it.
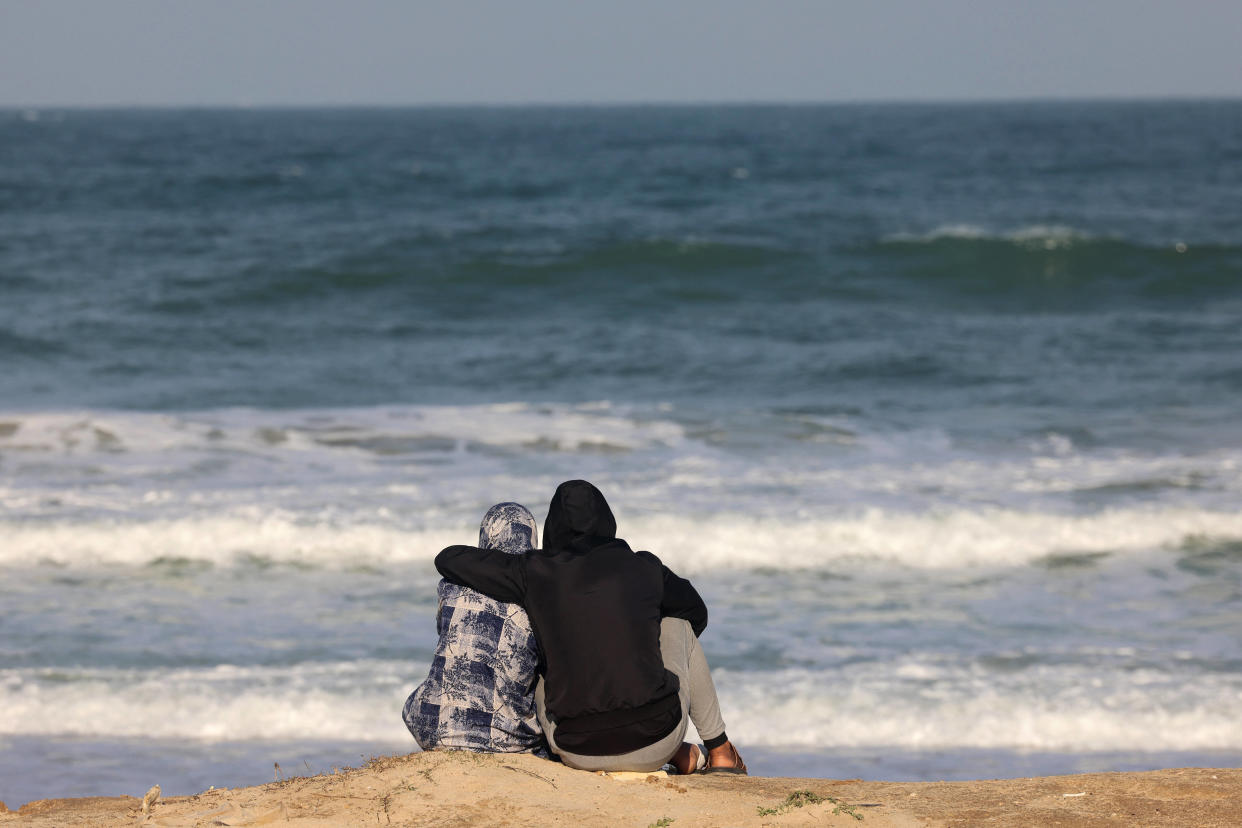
(479, 694)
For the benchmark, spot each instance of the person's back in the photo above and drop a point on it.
(478, 695)
(608, 659)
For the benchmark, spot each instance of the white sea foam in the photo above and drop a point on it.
(346, 701)
(221, 540)
(958, 538)
(395, 484)
(85, 448)
(1046, 236)
(53, 463)
(918, 705)
(914, 705)
(983, 538)
(369, 431)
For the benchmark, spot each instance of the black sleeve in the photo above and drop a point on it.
(681, 600)
(494, 573)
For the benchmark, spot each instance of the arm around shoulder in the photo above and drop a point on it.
(492, 572)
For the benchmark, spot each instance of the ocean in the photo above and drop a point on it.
(939, 406)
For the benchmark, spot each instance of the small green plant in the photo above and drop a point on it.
(662, 822)
(795, 800)
(839, 807)
(799, 798)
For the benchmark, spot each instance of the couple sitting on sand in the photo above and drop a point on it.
(584, 643)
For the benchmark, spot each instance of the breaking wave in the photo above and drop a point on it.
(951, 539)
(914, 705)
(925, 706)
(1063, 267)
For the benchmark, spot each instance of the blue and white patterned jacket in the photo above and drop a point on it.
(479, 694)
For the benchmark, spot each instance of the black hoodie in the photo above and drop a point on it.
(595, 606)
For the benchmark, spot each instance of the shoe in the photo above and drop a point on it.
(735, 765)
(689, 758)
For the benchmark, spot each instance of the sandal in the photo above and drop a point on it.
(738, 766)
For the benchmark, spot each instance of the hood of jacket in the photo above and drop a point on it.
(578, 519)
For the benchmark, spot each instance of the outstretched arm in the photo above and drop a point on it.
(492, 572)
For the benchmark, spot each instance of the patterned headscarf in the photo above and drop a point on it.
(509, 527)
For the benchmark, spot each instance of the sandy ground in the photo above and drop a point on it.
(462, 789)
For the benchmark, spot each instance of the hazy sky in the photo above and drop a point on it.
(466, 51)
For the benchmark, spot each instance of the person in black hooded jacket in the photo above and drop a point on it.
(622, 670)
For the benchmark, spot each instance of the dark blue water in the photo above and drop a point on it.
(939, 407)
(1054, 260)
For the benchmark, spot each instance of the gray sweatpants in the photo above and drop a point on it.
(684, 658)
